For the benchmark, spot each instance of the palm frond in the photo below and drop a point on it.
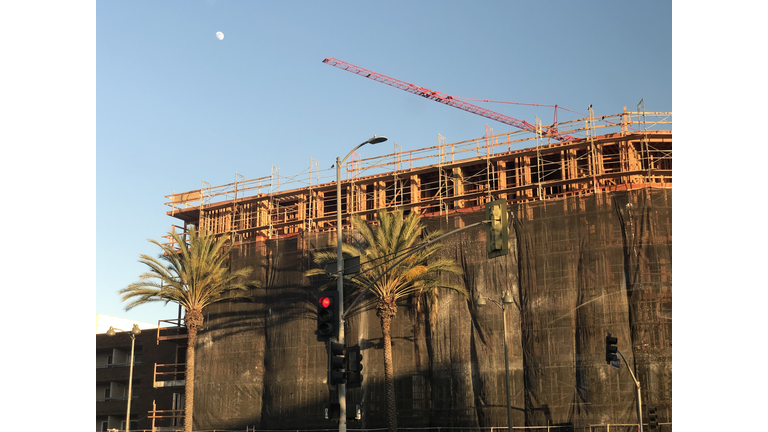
(385, 243)
(194, 276)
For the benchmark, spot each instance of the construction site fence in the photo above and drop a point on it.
(624, 427)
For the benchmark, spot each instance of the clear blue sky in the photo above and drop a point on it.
(109, 106)
(175, 105)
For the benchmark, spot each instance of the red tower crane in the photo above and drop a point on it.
(445, 99)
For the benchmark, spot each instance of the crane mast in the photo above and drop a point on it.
(444, 99)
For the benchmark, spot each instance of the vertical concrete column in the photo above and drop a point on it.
(526, 175)
(381, 195)
(262, 213)
(301, 217)
(363, 191)
(320, 207)
(563, 165)
(415, 184)
(501, 177)
(458, 187)
(573, 171)
(348, 198)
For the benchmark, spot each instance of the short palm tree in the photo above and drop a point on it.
(195, 276)
(418, 274)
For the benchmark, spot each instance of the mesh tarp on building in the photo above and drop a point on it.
(578, 268)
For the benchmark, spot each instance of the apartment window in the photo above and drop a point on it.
(107, 393)
(178, 405)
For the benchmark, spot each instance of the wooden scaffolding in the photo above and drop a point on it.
(622, 151)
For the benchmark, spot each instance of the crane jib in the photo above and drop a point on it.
(443, 98)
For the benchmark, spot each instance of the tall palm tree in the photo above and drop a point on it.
(417, 274)
(195, 276)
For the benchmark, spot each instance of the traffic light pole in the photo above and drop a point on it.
(340, 269)
(639, 399)
(342, 387)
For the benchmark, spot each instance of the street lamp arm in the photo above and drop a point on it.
(134, 331)
(350, 153)
(637, 383)
(496, 303)
(375, 140)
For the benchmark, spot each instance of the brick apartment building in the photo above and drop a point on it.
(158, 378)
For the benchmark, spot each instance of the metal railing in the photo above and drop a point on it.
(170, 373)
(624, 124)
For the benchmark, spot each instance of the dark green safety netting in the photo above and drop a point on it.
(578, 268)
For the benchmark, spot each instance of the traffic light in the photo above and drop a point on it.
(336, 363)
(610, 348)
(653, 421)
(327, 316)
(354, 367)
(497, 232)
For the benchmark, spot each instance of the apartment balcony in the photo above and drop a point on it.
(170, 375)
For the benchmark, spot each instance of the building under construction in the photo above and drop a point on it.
(590, 240)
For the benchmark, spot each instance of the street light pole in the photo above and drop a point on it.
(639, 398)
(134, 331)
(505, 300)
(340, 274)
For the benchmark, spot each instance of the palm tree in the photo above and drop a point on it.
(195, 276)
(417, 274)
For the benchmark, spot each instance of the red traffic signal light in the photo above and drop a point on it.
(327, 316)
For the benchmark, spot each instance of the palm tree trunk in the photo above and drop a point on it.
(189, 390)
(193, 321)
(386, 310)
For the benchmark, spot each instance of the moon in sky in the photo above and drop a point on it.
(220, 35)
